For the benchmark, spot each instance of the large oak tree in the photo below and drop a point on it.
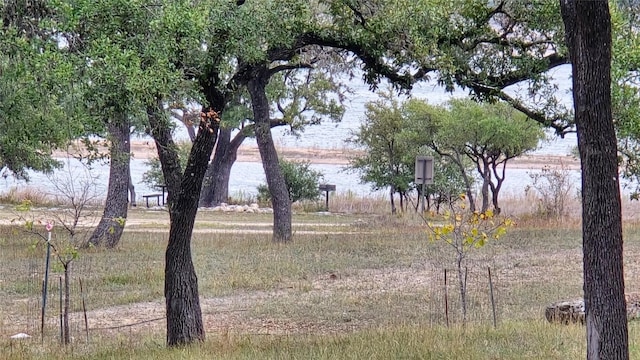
(588, 35)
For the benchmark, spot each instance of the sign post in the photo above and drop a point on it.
(326, 188)
(423, 175)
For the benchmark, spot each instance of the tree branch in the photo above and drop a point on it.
(285, 67)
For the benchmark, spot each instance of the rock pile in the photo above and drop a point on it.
(573, 312)
(253, 208)
(566, 312)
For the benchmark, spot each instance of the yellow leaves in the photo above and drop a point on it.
(24, 206)
(464, 230)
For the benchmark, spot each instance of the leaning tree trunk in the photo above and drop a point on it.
(280, 199)
(215, 187)
(132, 191)
(109, 230)
(184, 315)
(588, 34)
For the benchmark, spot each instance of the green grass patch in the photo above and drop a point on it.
(513, 340)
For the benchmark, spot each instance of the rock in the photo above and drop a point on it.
(573, 312)
(247, 208)
(633, 306)
(21, 336)
(566, 312)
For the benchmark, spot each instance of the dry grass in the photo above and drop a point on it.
(17, 195)
(350, 286)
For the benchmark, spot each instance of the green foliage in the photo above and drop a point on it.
(254, 28)
(389, 157)
(487, 135)
(393, 134)
(153, 176)
(302, 182)
(494, 132)
(35, 83)
(306, 97)
(625, 76)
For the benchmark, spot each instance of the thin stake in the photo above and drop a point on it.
(493, 303)
(61, 327)
(84, 310)
(446, 299)
(44, 304)
(45, 282)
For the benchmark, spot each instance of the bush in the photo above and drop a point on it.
(302, 182)
(553, 187)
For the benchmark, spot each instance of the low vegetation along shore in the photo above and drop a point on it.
(351, 285)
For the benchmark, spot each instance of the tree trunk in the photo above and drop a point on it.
(495, 188)
(588, 33)
(462, 282)
(392, 193)
(132, 191)
(280, 199)
(215, 187)
(485, 194)
(184, 315)
(486, 180)
(109, 230)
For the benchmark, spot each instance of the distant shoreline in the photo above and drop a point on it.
(146, 149)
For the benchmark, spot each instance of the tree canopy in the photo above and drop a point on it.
(464, 132)
(37, 94)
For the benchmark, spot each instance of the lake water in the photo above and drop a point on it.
(245, 177)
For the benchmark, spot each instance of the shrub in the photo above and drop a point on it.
(553, 187)
(302, 182)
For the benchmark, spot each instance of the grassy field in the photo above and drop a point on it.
(350, 286)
